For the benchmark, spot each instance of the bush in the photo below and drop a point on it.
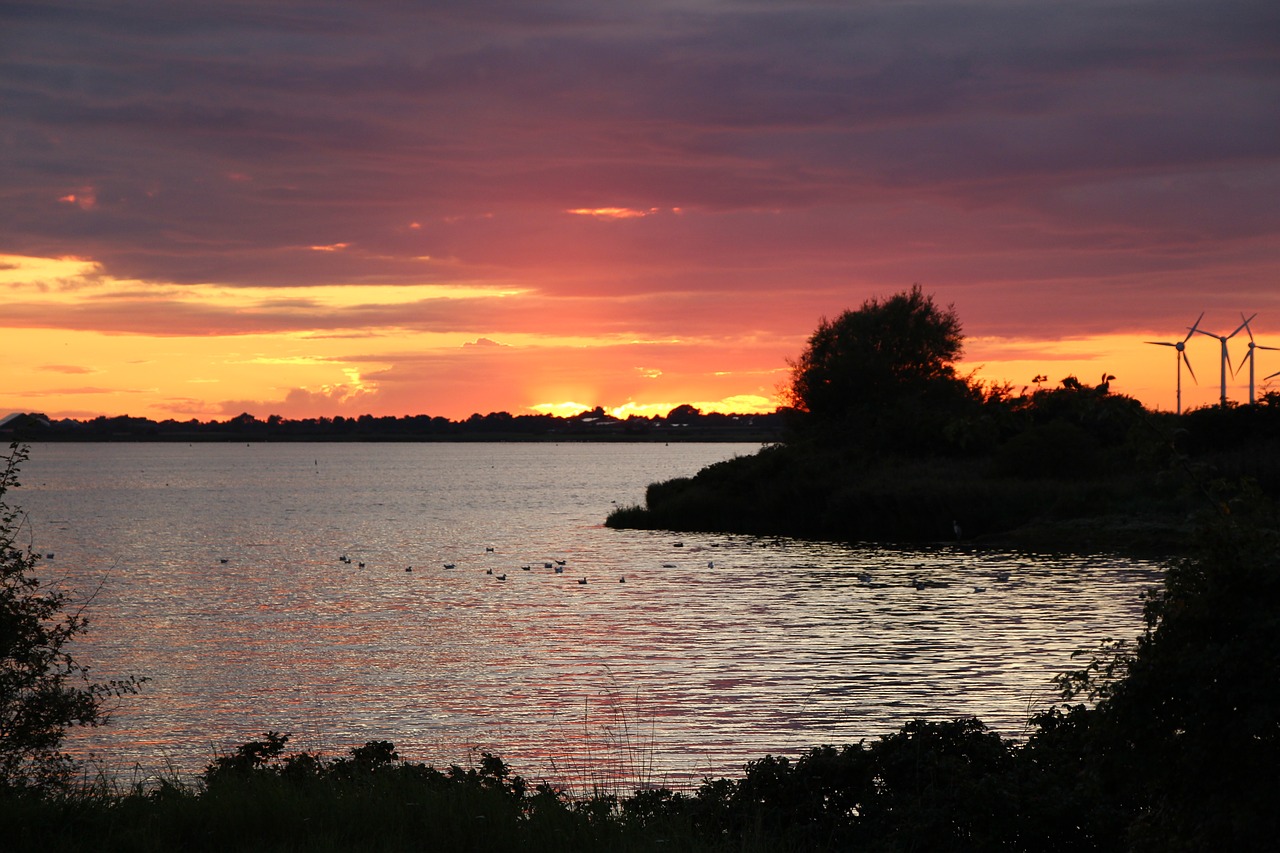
(43, 689)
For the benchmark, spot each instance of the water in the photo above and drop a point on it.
(715, 650)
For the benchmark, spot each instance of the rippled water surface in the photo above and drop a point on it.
(219, 577)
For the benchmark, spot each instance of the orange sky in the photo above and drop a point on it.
(356, 208)
(80, 351)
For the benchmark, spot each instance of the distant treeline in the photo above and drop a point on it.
(683, 423)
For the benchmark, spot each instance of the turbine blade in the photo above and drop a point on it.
(1160, 343)
(1246, 325)
(1272, 376)
(1235, 370)
(1194, 327)
(1260, 346)
(1241, 326)
(1187, 361)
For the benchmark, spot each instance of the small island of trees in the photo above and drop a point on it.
(885, 441)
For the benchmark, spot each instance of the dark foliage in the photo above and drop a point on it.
(883, 376)
(882, 454)
(1188, 737)
(43, 690)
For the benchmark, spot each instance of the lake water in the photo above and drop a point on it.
(216, 571)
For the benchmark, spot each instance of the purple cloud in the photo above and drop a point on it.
(1084, 155)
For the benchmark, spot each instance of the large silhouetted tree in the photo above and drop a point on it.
(891, 355)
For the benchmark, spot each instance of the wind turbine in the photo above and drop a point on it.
(1180, 356)
(1249, 356)
(1226, 359)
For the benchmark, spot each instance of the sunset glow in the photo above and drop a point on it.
(400, 210)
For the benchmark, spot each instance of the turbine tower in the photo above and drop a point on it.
(1249, 356)
(1226, 359)
(1180, 356)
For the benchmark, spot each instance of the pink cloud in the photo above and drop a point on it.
(730, 172)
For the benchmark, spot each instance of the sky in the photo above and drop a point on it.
(337, 207)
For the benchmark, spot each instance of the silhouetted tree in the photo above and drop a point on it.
(43, 690)
(884, 370)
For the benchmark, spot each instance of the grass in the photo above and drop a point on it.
(397, 806)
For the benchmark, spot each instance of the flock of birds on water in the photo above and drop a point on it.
(557, 566)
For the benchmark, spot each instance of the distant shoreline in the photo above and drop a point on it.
(682, 424)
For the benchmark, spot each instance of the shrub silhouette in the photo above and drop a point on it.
(43, 689)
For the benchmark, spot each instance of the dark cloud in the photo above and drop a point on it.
(813, 146)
